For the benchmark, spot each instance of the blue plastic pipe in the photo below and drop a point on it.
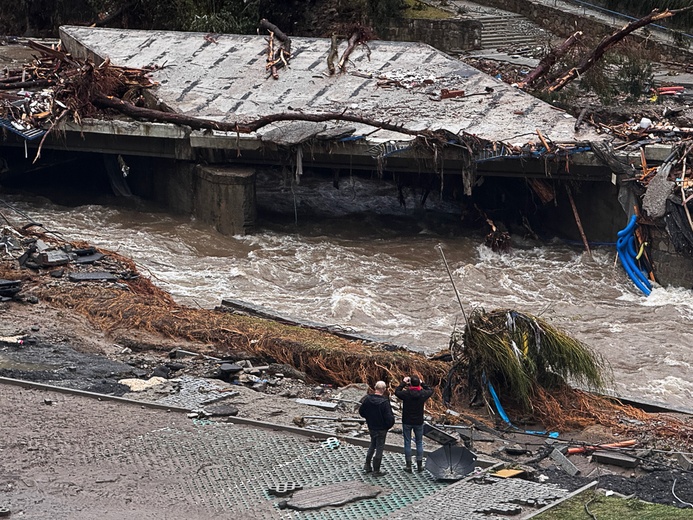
(625, 245)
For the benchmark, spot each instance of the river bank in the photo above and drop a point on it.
(93, 334)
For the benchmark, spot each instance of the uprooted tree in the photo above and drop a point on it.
(522, 357)
(602, 47)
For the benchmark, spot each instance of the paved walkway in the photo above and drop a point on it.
(68, 457)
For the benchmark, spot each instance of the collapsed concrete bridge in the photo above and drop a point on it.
(492, 130)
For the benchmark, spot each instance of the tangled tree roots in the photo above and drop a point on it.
(322, 356)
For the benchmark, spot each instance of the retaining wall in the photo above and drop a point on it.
(448, 35)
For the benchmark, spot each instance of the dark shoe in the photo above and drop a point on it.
(379, 473)
(367, 467)
(419, 466)
(407, 468)
(376, 468)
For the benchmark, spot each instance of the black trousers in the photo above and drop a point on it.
(377, 444)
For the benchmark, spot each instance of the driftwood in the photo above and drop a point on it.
(359, 36)
(197, 123)
(578, 221)
(548, 61)
(333, 54)
(608, 42)
(277, 55)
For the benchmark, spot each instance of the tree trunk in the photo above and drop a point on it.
(547, 61)
(608, 42)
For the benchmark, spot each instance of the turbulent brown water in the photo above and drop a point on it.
(385, 278)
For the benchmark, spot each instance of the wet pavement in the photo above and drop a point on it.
(146, 463)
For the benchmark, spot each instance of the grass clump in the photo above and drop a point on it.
(418, 9)
(612, 508)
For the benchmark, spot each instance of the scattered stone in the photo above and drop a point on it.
(222, 410)
(515, 450)
(502, 509)
(161, 371)
(57, 273)
(260, 386)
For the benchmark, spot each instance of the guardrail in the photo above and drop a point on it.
(586, 5)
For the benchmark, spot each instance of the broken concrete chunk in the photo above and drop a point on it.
(659, 188)
(332, 495)
(615, 459)
(564, 463)
(137, 385)
(52, 258)
(99, 276)
(320, 404)
(685, 461)
(88, 259)
(284, 488)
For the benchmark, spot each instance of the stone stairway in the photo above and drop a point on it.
(509, 30)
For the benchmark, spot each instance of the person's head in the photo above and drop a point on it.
(380, 387)
(414, 381)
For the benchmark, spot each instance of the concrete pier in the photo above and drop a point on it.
(225, 198)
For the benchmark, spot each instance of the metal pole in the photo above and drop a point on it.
(447, 267)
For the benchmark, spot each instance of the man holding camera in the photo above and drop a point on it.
(413, 393)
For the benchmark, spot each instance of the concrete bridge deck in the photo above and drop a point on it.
(224, 79)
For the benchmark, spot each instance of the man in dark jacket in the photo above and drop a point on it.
(413, 393)
(376, 409)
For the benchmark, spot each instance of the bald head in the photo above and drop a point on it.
(380, 387)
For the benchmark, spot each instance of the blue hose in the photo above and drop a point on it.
(625, 245)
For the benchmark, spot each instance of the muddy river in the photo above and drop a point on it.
(386, 277)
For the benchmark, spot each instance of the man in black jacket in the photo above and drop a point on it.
(413, 393)
(376, 409)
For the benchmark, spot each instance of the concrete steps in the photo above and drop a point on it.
(508, 31)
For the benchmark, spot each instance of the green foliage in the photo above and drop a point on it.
(217, 16)
(380, 12)
(634, 76)
(517, 352)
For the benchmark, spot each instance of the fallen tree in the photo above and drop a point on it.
(609, 41)
(549, 60)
